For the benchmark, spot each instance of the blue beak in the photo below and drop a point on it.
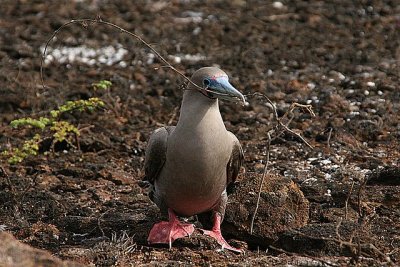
(222, 89)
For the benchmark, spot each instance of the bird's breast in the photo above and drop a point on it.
(194, 175)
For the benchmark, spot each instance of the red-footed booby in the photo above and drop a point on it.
(191, 164)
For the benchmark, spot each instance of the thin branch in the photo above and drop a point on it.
(359, 198)
(281, 127)
(346, 203)
(296, 134)
(329, 136)
(339, 223)
(100, 21)
(295, 105)
(261, 184)
(359, 245)
(275, 112)
(85, 23)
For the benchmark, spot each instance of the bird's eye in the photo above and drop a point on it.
(206, 82)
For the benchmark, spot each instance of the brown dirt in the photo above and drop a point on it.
(342, 57)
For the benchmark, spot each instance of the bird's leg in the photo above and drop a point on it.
(216, 233)
(167, 232)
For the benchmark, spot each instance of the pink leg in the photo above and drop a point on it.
(168, 232)
(216, 234)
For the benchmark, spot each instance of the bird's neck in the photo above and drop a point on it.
(199, 111)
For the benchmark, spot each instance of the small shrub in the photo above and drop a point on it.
(29, 148)
(60, 130)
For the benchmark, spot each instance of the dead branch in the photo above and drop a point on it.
(87, 22)
(359, 197)
(329, 137)
(339, 223)
(261, 183)
(346, 203)
(364, 247)
(280, 126)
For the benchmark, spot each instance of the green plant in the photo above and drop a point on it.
(29, 148)
(58, 129)
(41, 123)
(102, 85)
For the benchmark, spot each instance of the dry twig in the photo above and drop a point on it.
(87, 22)
(261, 184)
(346, 203)
(284, 127)
(362, 248)
(329, 137)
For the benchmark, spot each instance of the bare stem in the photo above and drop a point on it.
(346, 203)
(281, 127)
(85, 23)
(329, 137)
(261, 184)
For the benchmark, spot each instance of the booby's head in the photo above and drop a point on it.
(214, 83)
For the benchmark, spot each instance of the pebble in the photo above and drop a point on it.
(107, 55)
(311, 86)
(328, 193)
(187, 57)
(177, 59)
(196, 31)
(341, 76)
(326, 161)
(150, 58)
(278, 5)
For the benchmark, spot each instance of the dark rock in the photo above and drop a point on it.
(386, 176)
(282, 206)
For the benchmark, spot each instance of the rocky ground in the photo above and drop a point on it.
(334, 204)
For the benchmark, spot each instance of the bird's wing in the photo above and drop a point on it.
(156, 153)
(235, 161)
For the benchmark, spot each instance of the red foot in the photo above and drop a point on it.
(168, 232)
(216, 234)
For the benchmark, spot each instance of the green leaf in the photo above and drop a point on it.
(102, 85)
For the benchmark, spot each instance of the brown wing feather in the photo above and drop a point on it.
(156, 153)
(235, 161)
